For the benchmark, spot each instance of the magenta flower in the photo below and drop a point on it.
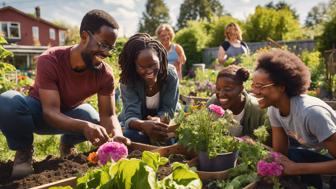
(270, 166)
(111, 151)
(219, 111)
(275, 156)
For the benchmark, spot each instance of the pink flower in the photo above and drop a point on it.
(111, 151)
(270, 167)
(219, 111)
(275, 156)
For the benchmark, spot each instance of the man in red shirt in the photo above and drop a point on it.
(65, 77)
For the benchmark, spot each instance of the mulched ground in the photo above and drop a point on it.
(49, 170)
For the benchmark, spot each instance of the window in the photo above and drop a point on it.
(35, 30)
(52, 33)
(10, 30)
(61, 37)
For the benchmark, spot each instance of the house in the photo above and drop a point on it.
(28, 35)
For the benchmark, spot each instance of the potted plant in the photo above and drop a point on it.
(208, 131)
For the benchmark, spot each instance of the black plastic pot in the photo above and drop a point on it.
(219, 163)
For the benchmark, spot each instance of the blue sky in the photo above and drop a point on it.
(128, 12)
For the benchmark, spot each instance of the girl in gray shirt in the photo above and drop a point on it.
(280, 82)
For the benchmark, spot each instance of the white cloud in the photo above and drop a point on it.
(127, 19)
(124, 3)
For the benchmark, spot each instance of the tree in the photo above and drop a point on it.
(268, 22)
(328, 38)
(155, 14)
(316, 15)
(72, 34)
(197, 10)
(281, 5)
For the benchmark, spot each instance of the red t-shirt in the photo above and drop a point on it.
(53, 72)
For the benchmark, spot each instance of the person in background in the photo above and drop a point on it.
(233, 46)
(175, 52)
(65, 77)
(149, 89)
(230, 94)
(280, 83)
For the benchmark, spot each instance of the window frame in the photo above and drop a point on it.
(38, 33)
(52, 30)
(8, 23)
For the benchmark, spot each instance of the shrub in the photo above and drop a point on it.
(193, 39)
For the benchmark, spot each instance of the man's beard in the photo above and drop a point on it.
(88, 62)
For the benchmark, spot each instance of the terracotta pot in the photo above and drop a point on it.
(208, 176)
(219, 163)
(175, 149)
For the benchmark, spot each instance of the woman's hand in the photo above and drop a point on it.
(290, 167)
(155, 129)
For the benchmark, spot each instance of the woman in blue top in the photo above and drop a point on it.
(233, 46)
(149, 89)
(175, 53)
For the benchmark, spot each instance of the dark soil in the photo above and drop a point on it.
(49, 170)
(166, 170)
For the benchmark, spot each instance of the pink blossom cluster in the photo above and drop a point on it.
(270, 166)
(111, 151)
(219, 111)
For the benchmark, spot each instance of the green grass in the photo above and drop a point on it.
(44, 145)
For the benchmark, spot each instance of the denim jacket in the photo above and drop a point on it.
(134, 98)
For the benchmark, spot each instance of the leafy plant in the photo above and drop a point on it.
(202, 130)
(132, 173)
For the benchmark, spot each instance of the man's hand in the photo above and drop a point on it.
(96, 134)
(122, 139)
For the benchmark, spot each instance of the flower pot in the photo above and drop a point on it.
(219, 163)
(174, 149)
(206, 176)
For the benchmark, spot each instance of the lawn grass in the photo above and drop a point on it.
(44, 145)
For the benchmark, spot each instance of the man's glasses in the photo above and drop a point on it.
(102, 46)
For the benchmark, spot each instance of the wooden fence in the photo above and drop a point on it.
(210, 54)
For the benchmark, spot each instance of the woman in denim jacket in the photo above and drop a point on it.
(149, 89)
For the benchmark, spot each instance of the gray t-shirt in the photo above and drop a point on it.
(310, 121)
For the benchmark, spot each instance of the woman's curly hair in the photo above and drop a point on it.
(130, 52)
(285, 69)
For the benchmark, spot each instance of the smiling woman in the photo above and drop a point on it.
(230, 94)
(280, 82)
(149, 89)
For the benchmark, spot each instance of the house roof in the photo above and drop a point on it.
(32, 17)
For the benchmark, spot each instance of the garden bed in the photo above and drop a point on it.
(55, 169)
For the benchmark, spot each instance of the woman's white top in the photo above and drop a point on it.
(153, 102)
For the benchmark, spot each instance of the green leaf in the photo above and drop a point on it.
(94, 178)
(130, 174)
(181, 177)
(153, 160)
